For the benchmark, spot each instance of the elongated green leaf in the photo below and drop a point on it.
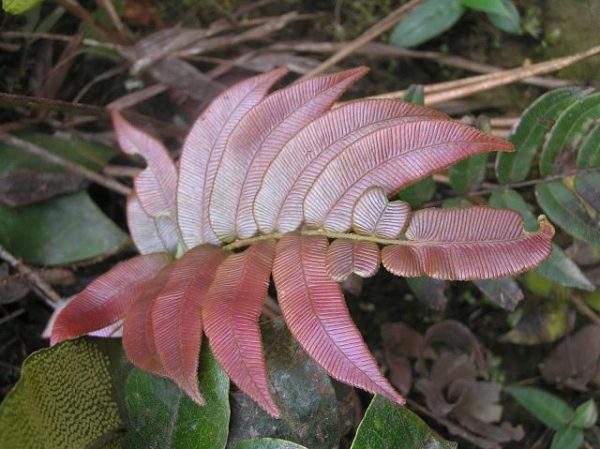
(589, 152)
(64, 399)
(511, 23)
(66, 229)
(160, 415)
(567, 438)
(528, 137)
(415, 95)
(549, 409)
(489, 6)
(567, 211)
(389, 426)
(468, 173)
(430, 20)
(558, 267)
(586, 415)
(566, 134)
(267, 443)
(19, 6)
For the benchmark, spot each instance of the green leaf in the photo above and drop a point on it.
(511, 22)
(429, 291)
(589, 152)
(64, 399)
(390, 426)
(570, 128)
(19, 6)
(419, 192)
(302, 390)
(160, 415)
(586, 415)
(426, 22)
(528, 137)
(567, 211)
(504, 292)
(468, 173)
(567, 438)
(415, 95)
(489, 6)
(66, 229)
(558, 267)
(549, 409)
(267, 443)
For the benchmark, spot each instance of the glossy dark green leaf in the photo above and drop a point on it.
(418, 193)
(160, 415)
(567, 438)
(468, 173)
(389, 426)
(429, 291)
(549, 409)
(302, 391)
(587, 187)
(567, 211)
(558, 267)
(505, 292)
(63, 230)
(589, 152)
(489, 6)
(64, 399)
(431, 19)
(511, 22)
(586, 415)
(528, 137)
(267, 443)
(19, 6)
(566, 135)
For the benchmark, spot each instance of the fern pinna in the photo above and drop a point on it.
(288, 185)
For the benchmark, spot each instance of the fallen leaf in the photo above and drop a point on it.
(25, 186)
(401, 342)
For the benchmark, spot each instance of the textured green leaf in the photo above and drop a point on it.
(63, 230)
(511, 23)
(489, 6)
(64, 399)
(160, 415)
(390, 426)
(567, 211)
(586, 415)
(589, 152)
(302, 390)
(567, 438)
(549, 409)
(468, 173)
(19, 6)
(558, 267)
(426, 22)
(566, 135)
(528, 137)
(419, 192)
(267, 443)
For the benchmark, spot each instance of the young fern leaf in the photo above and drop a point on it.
(284, 183)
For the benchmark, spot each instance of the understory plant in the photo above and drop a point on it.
(291, 185)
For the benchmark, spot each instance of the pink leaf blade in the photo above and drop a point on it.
(106, 300)
(203, 150)
(374, 215)
(231, 311)
(150, 235)
(468, 243)
(345, 257)
(257, 138)
(291, 173)
(314, 309)
(391, 158)
(177, 316)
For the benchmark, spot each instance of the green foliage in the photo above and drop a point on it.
(19, 6)
(267, 443)
(389, 426)
(434, 17)
(557, 415)
(159, 414)
(64, 399)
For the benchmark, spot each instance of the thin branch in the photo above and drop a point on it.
(584, 309)
(380, 27)
(66, 164)
(39, 285)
